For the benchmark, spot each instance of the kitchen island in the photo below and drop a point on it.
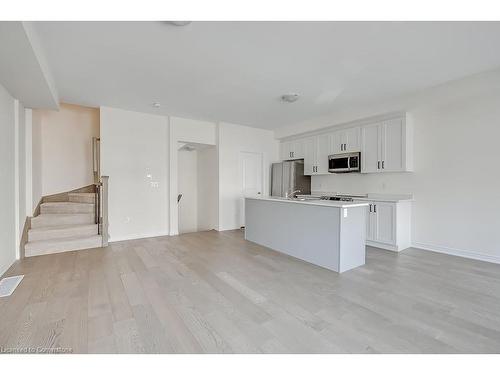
(330, 234)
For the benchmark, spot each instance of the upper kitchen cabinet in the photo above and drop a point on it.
(386, 147)
(291, 150)
(346, 140)
(316, 151)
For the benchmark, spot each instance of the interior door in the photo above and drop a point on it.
(385, 230)
(251, 179)
(370, 148)
(392, 146)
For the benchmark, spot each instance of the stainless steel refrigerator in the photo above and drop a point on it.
(288, 176)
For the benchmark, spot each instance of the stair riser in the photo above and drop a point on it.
(53, 221)
(49, 234)
(61, 209)
(34, 248)
(81, 198)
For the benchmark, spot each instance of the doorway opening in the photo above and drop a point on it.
(197, 187)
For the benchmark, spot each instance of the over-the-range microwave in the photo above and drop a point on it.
(344, 163)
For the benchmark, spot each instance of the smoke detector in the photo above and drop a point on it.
(179, 23)
(290, 98)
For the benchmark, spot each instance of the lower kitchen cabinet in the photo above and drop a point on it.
(388, 225)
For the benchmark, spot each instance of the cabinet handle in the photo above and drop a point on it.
(374, 208)
(378, 164)
(383, 161)
(370, 207)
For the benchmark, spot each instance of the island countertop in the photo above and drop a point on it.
(327, 203)
(330, 234)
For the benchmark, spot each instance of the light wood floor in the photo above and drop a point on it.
(214, 292)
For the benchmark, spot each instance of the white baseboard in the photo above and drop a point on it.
(137, 236)
(457, 252)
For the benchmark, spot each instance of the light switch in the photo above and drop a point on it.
(345, 212)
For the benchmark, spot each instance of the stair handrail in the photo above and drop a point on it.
(101, 208)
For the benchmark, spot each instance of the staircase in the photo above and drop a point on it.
(66, 225)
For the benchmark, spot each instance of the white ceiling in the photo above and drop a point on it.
(23, 68)
(237, 71)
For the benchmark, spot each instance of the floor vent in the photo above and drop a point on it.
(9, 284)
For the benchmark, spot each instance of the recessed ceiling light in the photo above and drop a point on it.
(156, 105)
(290, 98)
(179, 23)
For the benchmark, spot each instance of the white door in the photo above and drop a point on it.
(310, 150)
(286, 152)
(298, 149)
(371, 223)
(370, 148)
(386, 215)
(251, 179)
(392, 146)
(337, 140)
(352, 139)
(323, 150)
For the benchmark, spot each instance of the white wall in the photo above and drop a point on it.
(187, 131)
(456, 153)
(7, 178)
(36, 158)
(134, 154)
(208, 189)
(20, 171)
(66, 147)
(188, 187)
(231, 140)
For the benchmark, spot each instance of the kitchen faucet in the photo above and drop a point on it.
(290, 195)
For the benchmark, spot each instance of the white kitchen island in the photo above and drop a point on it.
(330, 234)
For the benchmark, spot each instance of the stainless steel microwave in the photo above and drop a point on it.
(344, 163)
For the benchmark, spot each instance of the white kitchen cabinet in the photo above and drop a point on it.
(346, 140)
(386, 147)
(388, 225)
(310, 155)
(291, 150)
(316, 151)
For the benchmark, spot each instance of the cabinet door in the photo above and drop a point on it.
(323, 151)
(370, 148)
(386, 220)
(298, 149)
(392, 146)
(310, 152)
(351, 139)
(285, 150)
(336, 142)
(370, 224)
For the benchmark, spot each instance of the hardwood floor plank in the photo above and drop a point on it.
(214, 292)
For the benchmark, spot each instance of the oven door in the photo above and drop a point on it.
(338, 163)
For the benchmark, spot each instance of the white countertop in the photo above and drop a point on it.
(337, 204)
(372, 197)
